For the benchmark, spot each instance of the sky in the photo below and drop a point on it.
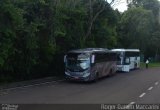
(122, 6)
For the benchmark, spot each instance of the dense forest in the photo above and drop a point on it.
(35, 34)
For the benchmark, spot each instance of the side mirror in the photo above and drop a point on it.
(93, 59)
(65, 58)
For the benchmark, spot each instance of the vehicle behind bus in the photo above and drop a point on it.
(89, 64)
(128, 59)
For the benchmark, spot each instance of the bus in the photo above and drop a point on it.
(89, 64)
(128, 59)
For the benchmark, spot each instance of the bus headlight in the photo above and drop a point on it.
(86, 73)
(67, 73)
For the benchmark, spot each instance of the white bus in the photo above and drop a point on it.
(127, 59)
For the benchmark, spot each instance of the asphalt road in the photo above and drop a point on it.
(137, 87)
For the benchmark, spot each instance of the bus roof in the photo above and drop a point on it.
(126, 50)
(89, 50)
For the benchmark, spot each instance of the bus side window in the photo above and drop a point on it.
(118, 59)
(96, 58)
(99, 57)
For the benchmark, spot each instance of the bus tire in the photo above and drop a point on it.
(111, 72)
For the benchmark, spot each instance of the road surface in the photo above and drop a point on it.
(136, 87)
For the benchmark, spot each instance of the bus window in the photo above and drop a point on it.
(78, 62)
(127, 61)
(118, 59)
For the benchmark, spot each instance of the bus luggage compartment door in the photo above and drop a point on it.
(126, 68)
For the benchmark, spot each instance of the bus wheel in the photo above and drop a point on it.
(111, 72)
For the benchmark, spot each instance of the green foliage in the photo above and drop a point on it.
(151, 65)
(139, 27)
(11, 20)
(35, 34)
(135, 28)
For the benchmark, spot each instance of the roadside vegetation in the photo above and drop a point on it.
(151, 65)
(35, 34)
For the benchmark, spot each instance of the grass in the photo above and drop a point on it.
(150, 65)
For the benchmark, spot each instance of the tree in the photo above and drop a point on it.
(135, 28)
(154, 7)
(11, 20)
(34, 34)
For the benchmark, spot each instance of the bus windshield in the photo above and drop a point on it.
(77, 62)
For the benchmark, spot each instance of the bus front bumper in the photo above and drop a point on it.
(77, 77)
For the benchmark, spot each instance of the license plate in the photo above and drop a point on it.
(76, 77)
